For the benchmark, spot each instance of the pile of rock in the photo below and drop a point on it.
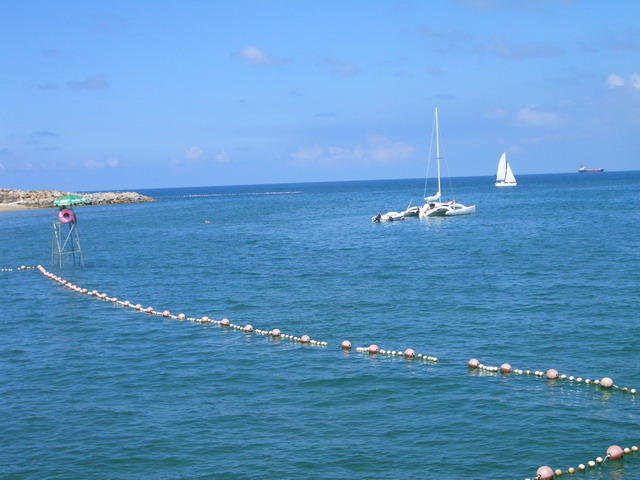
(45, 198)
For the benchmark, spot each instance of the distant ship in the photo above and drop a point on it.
(584, 169)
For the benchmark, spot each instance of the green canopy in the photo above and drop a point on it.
(69, 200)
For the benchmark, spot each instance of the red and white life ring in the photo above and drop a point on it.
(66, 215)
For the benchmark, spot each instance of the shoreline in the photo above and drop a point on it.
(13, 200)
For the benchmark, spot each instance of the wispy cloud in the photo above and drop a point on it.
(531, 116)
(256, 56)
(109, 163)
(194, 153)
(48, 86)
(377, 149)
(499, 47)
(340, 67)
(221, 157)
(98, 82)
(616, 81)
(496, 113)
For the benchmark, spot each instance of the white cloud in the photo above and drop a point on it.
(194, 153)
(529, 116)
(635, 80)
(614, 81)
(113, 162)
(222, 157)
(378, 149)
(256, 56)
(1, 166)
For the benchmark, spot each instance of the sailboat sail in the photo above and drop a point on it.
(504, 175)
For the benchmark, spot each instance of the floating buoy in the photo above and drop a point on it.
(552, 374)
(248, 328)
(373, 348)
(166, 313)
(275, 332)
(544, 473)
(473, 363)
(409, 353)
(224, 322)
(305, 339)
(606, 382)
(346, 345)
(614, 452)
(181, 316)
(505, 368)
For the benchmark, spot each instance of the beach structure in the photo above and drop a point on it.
(65, 241)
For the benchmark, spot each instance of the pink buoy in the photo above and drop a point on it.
(606, 382)
(552, 374)
(181, 316)
(473, 363)
(305, 339)
(248, 328)
(224, 322)
(545, 473)
(166, 313)
(66, 215)
(373, 348)
(614, 452)
(148, 309)
(505, 368)
(409, 353)
(275, 332)
(346, 345)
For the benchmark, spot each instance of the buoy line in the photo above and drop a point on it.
(614, 452)
(409, 353)
(606, 383)
(22, 267)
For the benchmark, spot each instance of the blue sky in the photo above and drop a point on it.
(156, 93)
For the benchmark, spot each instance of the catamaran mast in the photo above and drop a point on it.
(438, 152)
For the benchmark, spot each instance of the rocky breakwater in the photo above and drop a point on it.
(45, 198)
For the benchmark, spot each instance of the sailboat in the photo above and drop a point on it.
(504, 176)
(434, 206)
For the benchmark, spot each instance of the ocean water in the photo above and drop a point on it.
(544, 275)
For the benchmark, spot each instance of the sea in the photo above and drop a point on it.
(543, 276)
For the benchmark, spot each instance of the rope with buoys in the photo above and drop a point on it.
(614, 452)
(22, 267)
(408, 354)
(225, 322)
(544, 473)
(606, 383)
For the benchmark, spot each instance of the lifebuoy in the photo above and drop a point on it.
(66, 215)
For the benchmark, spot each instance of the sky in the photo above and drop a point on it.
(116, 95)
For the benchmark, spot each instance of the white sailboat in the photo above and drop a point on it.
(504, 176)
(434, 206)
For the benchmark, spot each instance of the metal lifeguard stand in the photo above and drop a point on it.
(65, 242)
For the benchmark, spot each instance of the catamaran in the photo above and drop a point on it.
(504, 176)
(434, 206)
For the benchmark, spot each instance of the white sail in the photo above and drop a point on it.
(502, 168)
(509, 178)
(433, 198)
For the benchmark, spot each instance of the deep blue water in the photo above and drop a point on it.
(544, 275)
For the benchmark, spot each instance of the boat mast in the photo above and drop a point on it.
(438, 153)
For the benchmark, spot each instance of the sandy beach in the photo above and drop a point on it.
(9, 207)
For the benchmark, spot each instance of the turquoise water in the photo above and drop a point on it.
(544, 275)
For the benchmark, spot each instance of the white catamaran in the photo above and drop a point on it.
(504, 176)
(434, 206)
